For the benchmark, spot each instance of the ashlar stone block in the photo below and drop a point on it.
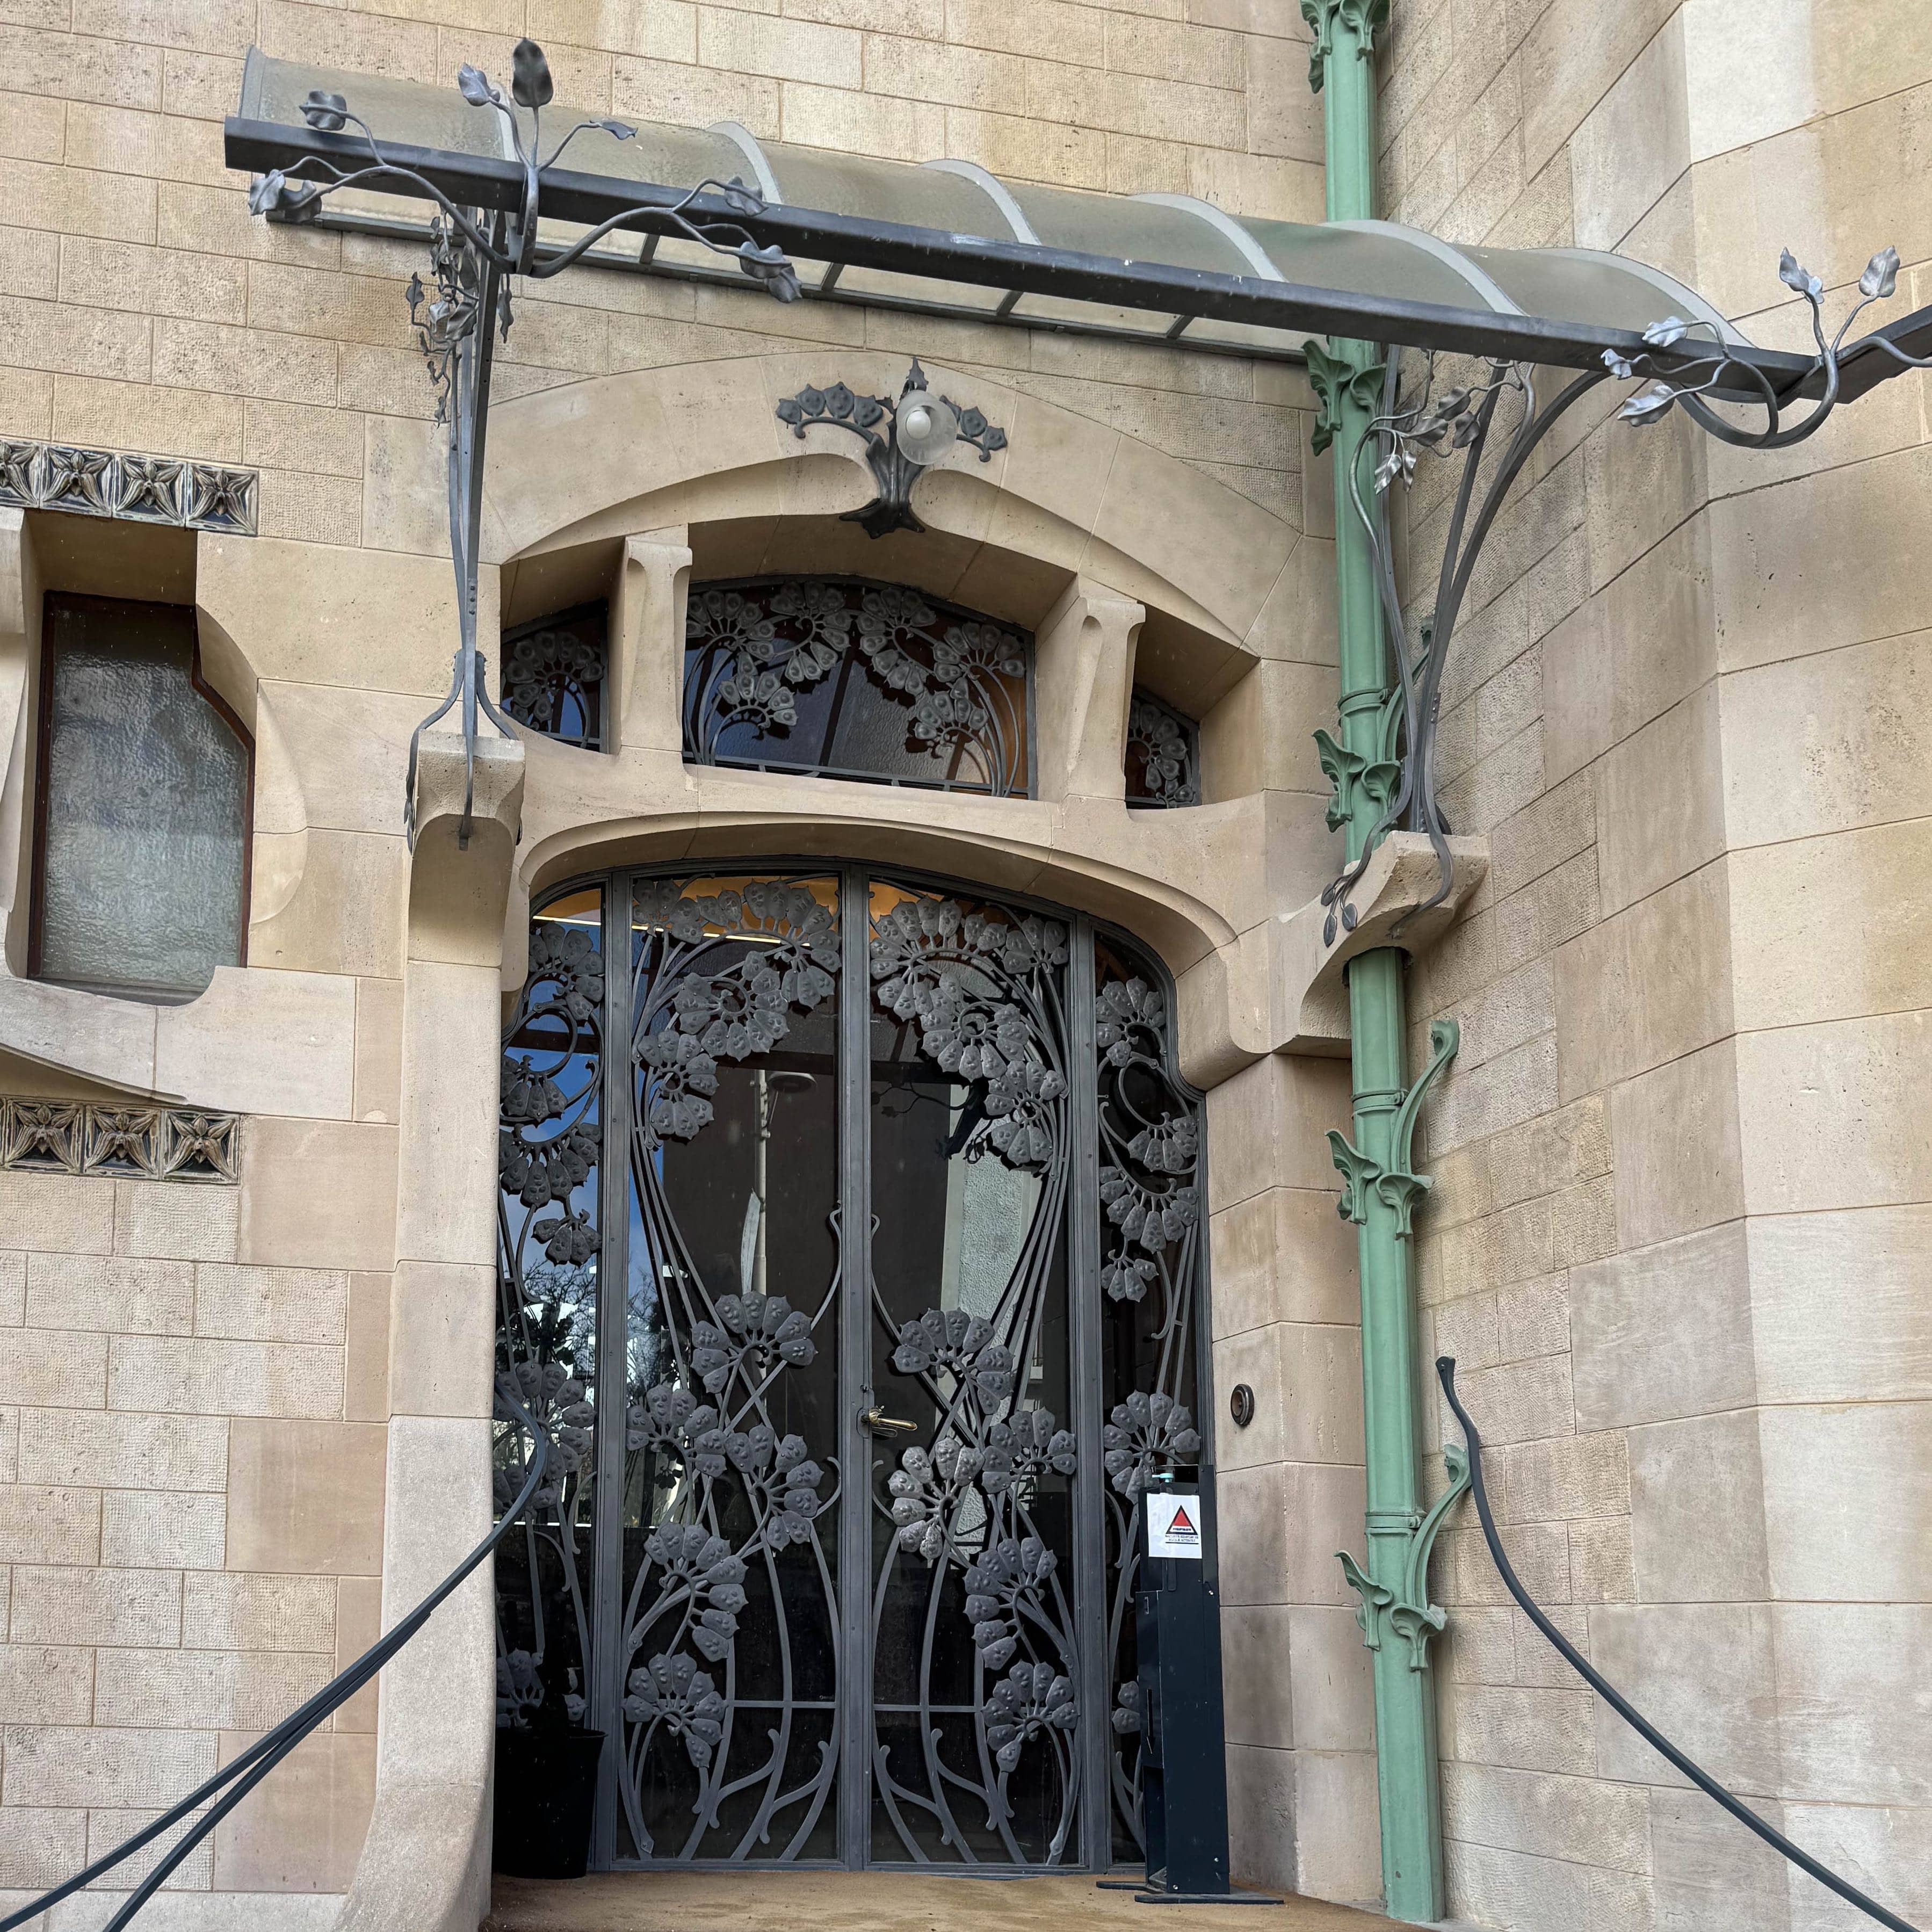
(151, 1530)
(101, 1449)
(123, 1296)
(1697, 1509)
(66, 1604)
(57, 1764)
(258, 1304)
(45, 1683)
(1664, 1331)
(39, 1524)
(1581, 1820)
(225, 1611)
(303, 1829)
(215, 1378)
(306, 1497)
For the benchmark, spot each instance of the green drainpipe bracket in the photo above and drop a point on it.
(1385, 1612)
(1339, 378)
(1363, 786)
(1395, 1179)
(1363, 17)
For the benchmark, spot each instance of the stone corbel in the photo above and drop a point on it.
(1311, 967)
(647, 643)
(457, 894)
(1083, 685)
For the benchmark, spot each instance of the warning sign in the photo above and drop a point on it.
(1173, 1525)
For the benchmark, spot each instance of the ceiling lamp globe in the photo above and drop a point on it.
(927, 429)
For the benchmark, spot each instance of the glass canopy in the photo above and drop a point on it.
(957, 226)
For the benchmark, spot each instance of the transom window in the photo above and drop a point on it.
(840, 678)
(1163, 754)
(142, 812)
(555, 672)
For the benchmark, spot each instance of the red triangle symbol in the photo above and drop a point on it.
(1181, 1522)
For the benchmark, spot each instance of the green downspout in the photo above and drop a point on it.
(1379, 1190)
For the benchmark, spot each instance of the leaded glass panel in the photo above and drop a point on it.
(144, 805)
(841, 679)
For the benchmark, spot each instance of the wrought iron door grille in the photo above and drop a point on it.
(843, 1572)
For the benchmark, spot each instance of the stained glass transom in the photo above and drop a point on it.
(843, 679)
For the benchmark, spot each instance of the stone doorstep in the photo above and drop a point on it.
(876, 1901)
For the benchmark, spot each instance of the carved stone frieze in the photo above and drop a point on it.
(81, 1137)
(139, 489)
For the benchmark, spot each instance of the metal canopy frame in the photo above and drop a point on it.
(486, 226)
(1034, 268)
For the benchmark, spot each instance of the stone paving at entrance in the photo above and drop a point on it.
(877, 1902)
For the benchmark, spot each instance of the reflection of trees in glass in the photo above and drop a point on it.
(549, 1140)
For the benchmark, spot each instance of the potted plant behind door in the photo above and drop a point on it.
(546, 1775)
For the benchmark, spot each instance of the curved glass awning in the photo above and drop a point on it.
(946, 237)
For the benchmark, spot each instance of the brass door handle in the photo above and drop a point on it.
(880, 1423)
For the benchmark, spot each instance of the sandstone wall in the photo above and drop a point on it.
(1677, 1239)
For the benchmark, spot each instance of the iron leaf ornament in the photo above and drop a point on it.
(467, 299)
(1681, 364)
(875, 421)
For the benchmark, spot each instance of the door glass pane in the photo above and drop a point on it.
(1152, 1267)
(146, 803)
(976, 1754)
(729, 1586)
(549, 1148)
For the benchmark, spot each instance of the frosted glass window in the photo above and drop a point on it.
(143, 807)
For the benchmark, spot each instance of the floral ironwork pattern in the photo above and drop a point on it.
(549, 1148)
(1152, 1266)
(984, 990)
(848, 679)
(554, 674)
(726, 1753)
(1163, 761)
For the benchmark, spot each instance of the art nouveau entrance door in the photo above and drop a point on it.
(851, 1250)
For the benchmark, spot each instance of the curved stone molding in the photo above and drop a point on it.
(569, 464)
(142, 489)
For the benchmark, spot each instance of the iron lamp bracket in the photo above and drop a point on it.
(876, 421)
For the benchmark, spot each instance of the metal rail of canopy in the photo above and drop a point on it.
(468, 169)
(947, 237)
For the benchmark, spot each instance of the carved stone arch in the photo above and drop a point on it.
(702, 443)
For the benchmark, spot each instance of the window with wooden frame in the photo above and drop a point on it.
(143, 802)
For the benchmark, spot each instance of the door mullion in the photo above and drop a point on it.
(1090, 1555)
(855, 1324)
(606, 1684)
